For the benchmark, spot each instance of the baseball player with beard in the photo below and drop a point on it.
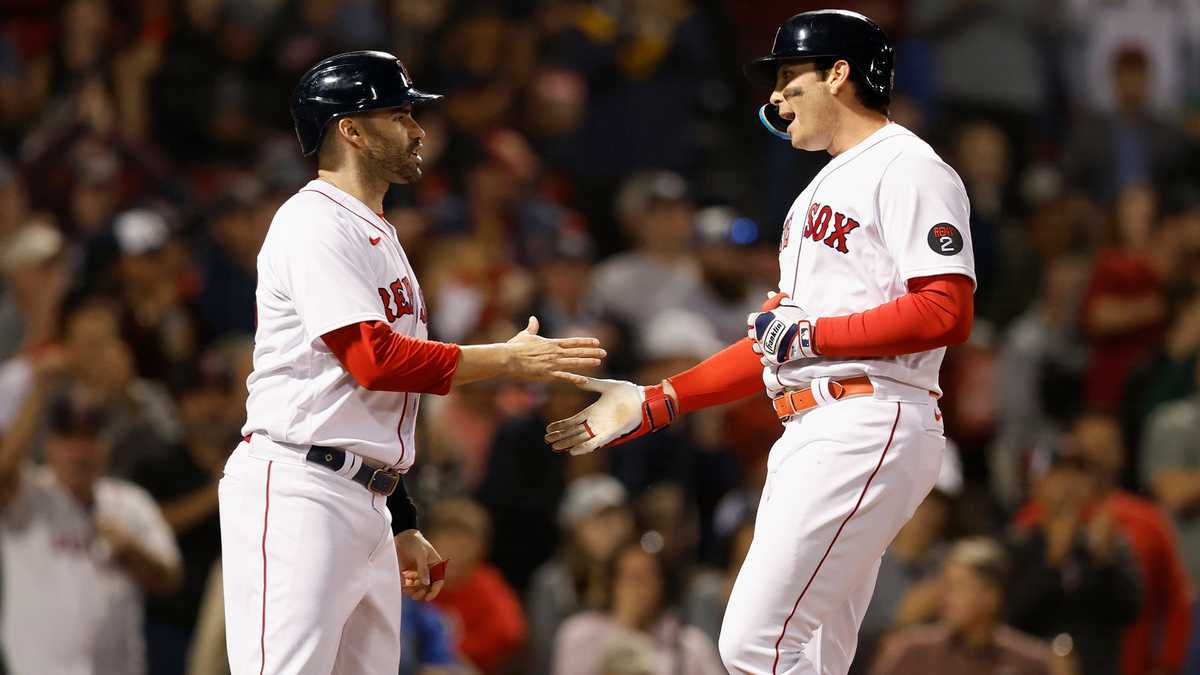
(314, 562)
(876, 280)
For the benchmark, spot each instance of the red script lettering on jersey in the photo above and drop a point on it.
(401, 291)
(831, 227)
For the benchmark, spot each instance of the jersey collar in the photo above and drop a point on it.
(886, 131)
(347, 200)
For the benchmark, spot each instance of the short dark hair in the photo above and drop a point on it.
(866, 95)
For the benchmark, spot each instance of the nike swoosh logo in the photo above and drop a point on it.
(374, 240)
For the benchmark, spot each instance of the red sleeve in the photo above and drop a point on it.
(489, 644)
(1177, 614)
(936, 312)
(729, 375)
(381, 359)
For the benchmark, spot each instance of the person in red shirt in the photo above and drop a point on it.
(488, 616)
(1125, 306)
(1157, 641)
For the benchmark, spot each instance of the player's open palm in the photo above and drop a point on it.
(617, 412)
(534, 357)
(416, 557)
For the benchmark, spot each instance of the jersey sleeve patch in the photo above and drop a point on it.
(945, 239)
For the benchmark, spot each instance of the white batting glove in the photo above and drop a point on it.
(623, 412)
(782, 334)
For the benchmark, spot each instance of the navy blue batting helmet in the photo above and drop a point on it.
(828, 33)
(349, 83)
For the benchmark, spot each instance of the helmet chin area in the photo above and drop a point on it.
(774, 123)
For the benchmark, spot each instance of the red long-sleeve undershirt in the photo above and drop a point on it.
(381, 359)
(936, 312)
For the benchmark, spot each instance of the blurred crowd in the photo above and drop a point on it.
(598, 163)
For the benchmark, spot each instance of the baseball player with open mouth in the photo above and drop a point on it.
(876, 280)
(314, 562)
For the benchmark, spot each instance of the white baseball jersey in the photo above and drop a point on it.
(68, 607)
(847, 474)
(879, 214)
(328, 261)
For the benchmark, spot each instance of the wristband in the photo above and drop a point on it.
(404, 510)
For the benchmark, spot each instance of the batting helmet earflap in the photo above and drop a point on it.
(349, 83)
(835, 33)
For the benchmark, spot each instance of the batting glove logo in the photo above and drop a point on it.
(782, 335)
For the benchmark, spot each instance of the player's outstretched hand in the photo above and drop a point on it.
(623, 412)
(416, 556)
(533, 357)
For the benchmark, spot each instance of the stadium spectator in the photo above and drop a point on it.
(730, 250)
(1078, 575)
(1041, 359)
(971, 636)
(640, 606)
(99, 543)
(1128, 145)
(1157, 641)
(1125, 305)
(226, 262)
(595, 522)
(1161, 34)
(655, 211)
(489, 622)
(564, 275)
(141, 419)
(158, 324)
(982, 153)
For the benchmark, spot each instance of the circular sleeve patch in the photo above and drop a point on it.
(945, 239)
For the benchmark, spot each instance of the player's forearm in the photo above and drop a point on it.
(481, 362)
(936, 312)
(729, 375)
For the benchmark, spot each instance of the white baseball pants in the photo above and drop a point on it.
(312, 584)
(841, 481)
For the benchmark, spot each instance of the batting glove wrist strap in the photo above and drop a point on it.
(623, 412)
(658, 411)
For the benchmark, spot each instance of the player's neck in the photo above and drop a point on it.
(357, 184)
(853, 129)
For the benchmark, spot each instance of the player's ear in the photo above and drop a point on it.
(349, 130)
(838, 75)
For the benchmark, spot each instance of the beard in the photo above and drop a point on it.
(394, 162)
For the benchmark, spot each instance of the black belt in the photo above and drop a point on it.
(381, 481)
